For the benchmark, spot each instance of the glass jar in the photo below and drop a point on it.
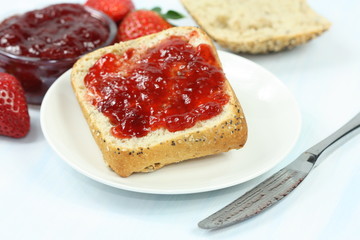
(37, 74)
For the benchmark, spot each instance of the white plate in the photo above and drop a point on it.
(270, 109)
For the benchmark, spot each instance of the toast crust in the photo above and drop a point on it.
(219, 134)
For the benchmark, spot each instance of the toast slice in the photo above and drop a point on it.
(225, 131)
(257, 26)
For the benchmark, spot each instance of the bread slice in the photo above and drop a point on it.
(257, 26)
(225, 131)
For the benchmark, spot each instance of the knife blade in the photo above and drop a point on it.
(276, 187)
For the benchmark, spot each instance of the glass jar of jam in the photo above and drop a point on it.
(40, 45)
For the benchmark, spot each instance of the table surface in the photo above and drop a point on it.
(42, 197)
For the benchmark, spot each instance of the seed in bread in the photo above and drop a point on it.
(156, 145)
(257, 26)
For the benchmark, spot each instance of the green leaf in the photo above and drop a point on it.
(157, 9)
(173, 15)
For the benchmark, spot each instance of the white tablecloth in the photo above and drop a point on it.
(42, 197)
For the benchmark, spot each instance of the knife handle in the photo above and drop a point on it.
(351, 125)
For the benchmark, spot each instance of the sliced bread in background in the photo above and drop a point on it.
(257, 26)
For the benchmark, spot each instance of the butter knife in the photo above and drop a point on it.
(276, 187)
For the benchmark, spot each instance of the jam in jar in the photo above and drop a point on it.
(40, 45)
(172, 85)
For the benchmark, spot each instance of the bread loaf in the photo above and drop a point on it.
(160, 147)
(257, 26)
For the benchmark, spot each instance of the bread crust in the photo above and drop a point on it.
(260, 44)
(219, 134)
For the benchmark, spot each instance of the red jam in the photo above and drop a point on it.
(173, 85)
(55, 32)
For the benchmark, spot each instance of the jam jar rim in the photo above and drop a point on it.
(93, 13)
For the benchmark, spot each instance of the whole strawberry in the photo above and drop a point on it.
(14, 115)
(144, 22)
(116, 9)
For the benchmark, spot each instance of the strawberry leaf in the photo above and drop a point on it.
(173, 15)
(157, 9)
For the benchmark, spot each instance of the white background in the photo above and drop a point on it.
(41, 197)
